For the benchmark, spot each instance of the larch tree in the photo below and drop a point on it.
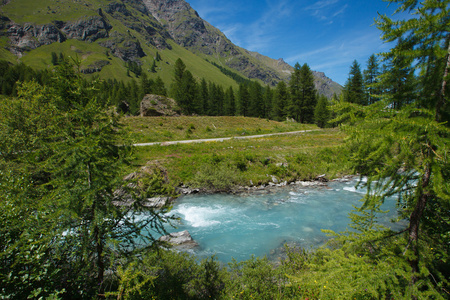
(67, 213)
(404, 151)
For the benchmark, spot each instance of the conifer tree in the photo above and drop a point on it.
(268, 102)
(243, 100)
(229, 102)
(321, 112)
(187, 93)
(184, 87)
(398, 81)
(153, 67)
(371, 79)
(405, 152)
(159, 87)
(296, 93)
(308, 95)
(69, 169)
(354, 87)
(256, 103)
(203, 97)
(281, 100)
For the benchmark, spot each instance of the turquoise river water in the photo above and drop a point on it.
(238, 226)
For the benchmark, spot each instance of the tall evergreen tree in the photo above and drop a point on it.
(187, 93)
(256, 103)
(268, 102)
(184, 87)
(203, 97)
(321, 112)
(296, 93)
(229, 103)
(371, 79)
(281, 101)
(308, 95)
(354, 87)
(159, 87)
(243, 100)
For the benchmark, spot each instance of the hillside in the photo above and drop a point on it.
(106, 34)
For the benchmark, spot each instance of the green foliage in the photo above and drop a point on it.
(303, 96)
(354, 87)
(280, 104)
(170, 275)
(321, 112)
(62, 146)
(254, 278)
(371, 80)
(235, 76)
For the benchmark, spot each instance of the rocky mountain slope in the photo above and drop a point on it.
(108, 33)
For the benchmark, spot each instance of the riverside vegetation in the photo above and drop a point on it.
(64, 154)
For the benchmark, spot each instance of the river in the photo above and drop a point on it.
(239, 226)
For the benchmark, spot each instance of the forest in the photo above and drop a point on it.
(64, 153)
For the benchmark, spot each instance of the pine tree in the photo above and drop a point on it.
(229, 102)
(321, 112)
(371, 79)
(203, 97)
(268, 102)
(243, 100)
(281, 101)
(184, 87)
(159, 88)
(296, 93)
(187, 93)
(308, 95)
(354, 88)
(153, 67)
(55, 59)
(256, 103)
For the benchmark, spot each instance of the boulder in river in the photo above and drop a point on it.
(180, 240)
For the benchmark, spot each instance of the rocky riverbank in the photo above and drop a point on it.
(275, 184)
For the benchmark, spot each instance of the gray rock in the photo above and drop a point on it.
(180, 240)
(89, 29)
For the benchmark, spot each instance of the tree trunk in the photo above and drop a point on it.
(100, 265)
(414, 223)
(441, 99)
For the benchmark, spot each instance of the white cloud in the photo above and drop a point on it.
(321, 4)
(326, 10)
(335, 57)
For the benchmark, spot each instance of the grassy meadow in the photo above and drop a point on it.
(220, 166)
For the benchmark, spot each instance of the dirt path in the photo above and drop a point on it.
(221, 139)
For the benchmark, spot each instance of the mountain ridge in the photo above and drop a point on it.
(134, 30)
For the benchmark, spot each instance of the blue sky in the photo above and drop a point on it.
(326, 34)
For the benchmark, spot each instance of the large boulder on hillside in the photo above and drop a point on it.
(156, 105)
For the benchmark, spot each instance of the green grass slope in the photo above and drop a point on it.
(88, 53)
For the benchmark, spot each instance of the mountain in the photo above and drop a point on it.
(107, 34)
